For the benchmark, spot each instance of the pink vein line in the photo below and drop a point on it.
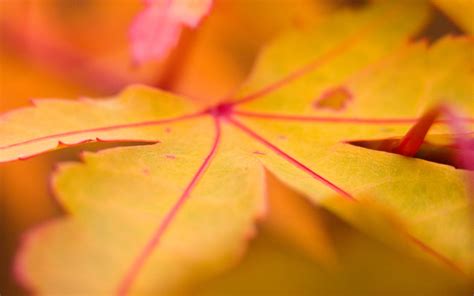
(433, 253)
(326, 57)
(288, 117)
(106, 128)
(296, 74)
(290, 159)
(415, 240)
(132, 273)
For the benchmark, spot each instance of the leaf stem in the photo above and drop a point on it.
(412, 141)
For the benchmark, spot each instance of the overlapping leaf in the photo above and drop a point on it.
(163, 216)
(157, 29)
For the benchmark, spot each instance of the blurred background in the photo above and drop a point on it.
(75, 48)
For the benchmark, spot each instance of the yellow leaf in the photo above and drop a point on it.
(126, 231)
(167, 215)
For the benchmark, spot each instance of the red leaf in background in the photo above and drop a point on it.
(157, 28)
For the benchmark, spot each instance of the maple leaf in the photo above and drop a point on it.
(157, 28)
(160, 217)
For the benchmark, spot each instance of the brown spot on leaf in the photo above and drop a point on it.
(334, 99)
(170, 156)
(258, 152)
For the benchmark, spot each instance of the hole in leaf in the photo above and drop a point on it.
(335, 99)
(438, 26)
(442, 154)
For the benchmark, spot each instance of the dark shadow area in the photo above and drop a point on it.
(442, 154)
(437, 27)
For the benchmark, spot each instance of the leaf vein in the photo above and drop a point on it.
(104, 128)
(290, 159)
(351, 120)
(133, 271)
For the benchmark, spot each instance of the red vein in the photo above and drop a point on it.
(293, 76)
(105, 128)
(289, 117)
(433, 253)
(289, 158)
(319, 61)
(344, 193)
(132, 273)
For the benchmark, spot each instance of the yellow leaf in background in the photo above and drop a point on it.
(367, 267)
(292, 219)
